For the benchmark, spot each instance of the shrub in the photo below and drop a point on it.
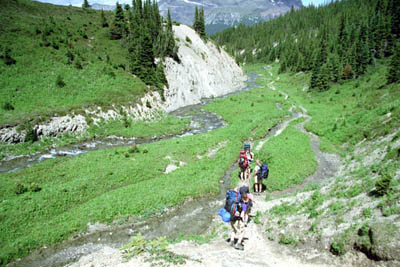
(8, 60)
(337, 247)
(8, 106)
(188, 40)
(133, 149)
(364, 230)
(367, 213)
(382, 185)
(70, 57)
(60, 82)
(78, 64)
(20, 189)
(31, 135)
(286, 240)
(34, 187)
(148, 105)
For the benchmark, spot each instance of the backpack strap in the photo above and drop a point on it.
(237, 196)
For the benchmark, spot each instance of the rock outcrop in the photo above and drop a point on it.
(148, 107)
(204, 71)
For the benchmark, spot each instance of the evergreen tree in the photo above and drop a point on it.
(395, 17)
(393, 75)
(170, 49)
(146, 57)
(202, 27)
(85, 4)
(196, 20)
(118, 28)
(104, 22)
(362, 51)
(323, 79)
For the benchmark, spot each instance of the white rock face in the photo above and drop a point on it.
(148, 107)
(204, 71)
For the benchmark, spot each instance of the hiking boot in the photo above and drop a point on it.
(232, 243)
(239, 246)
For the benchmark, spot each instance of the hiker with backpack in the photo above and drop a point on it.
(257, 179)
(246, 204)
(250, 158)
(232, 213)
(243, 165)
(261, 172)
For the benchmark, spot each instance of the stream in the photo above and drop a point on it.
(201, 121)
(183, 220)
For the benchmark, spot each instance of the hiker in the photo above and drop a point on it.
(246, 205)
(243, 165)
(257, 177)
(238, 230)
(250, 157)
(261, 174)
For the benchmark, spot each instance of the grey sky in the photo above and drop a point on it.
(112, 2)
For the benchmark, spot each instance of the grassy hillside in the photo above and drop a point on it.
(43, 39)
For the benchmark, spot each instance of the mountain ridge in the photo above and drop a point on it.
(220, 14)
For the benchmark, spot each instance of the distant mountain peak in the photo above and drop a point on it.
(222, 14)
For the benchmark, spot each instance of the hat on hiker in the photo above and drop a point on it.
(244, 190)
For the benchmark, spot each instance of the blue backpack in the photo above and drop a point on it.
(232, 203)
(264, 171)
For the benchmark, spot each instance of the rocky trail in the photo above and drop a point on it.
(258, 250)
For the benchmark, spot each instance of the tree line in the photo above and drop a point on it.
(335, 42)
(147, 36)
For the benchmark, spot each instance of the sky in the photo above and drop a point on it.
(112, 2)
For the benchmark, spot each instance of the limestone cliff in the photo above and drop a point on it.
(204, 71)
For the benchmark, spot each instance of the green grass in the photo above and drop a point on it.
(30, 85)
(166, 125)
(291, 159)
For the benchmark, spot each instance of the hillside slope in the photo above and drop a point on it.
(45, 80)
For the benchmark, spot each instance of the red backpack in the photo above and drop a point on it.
(243, 162)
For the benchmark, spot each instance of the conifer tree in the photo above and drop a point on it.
(146, 57)
(196, 20)
(202, 27)
(170, 49)
(85, 4)
(362, 51)
(393, 75)
(104, 22)
(395, 17)
(118, 28)
(323, 79)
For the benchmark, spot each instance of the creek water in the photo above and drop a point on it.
(192, 217)
(201, 121)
